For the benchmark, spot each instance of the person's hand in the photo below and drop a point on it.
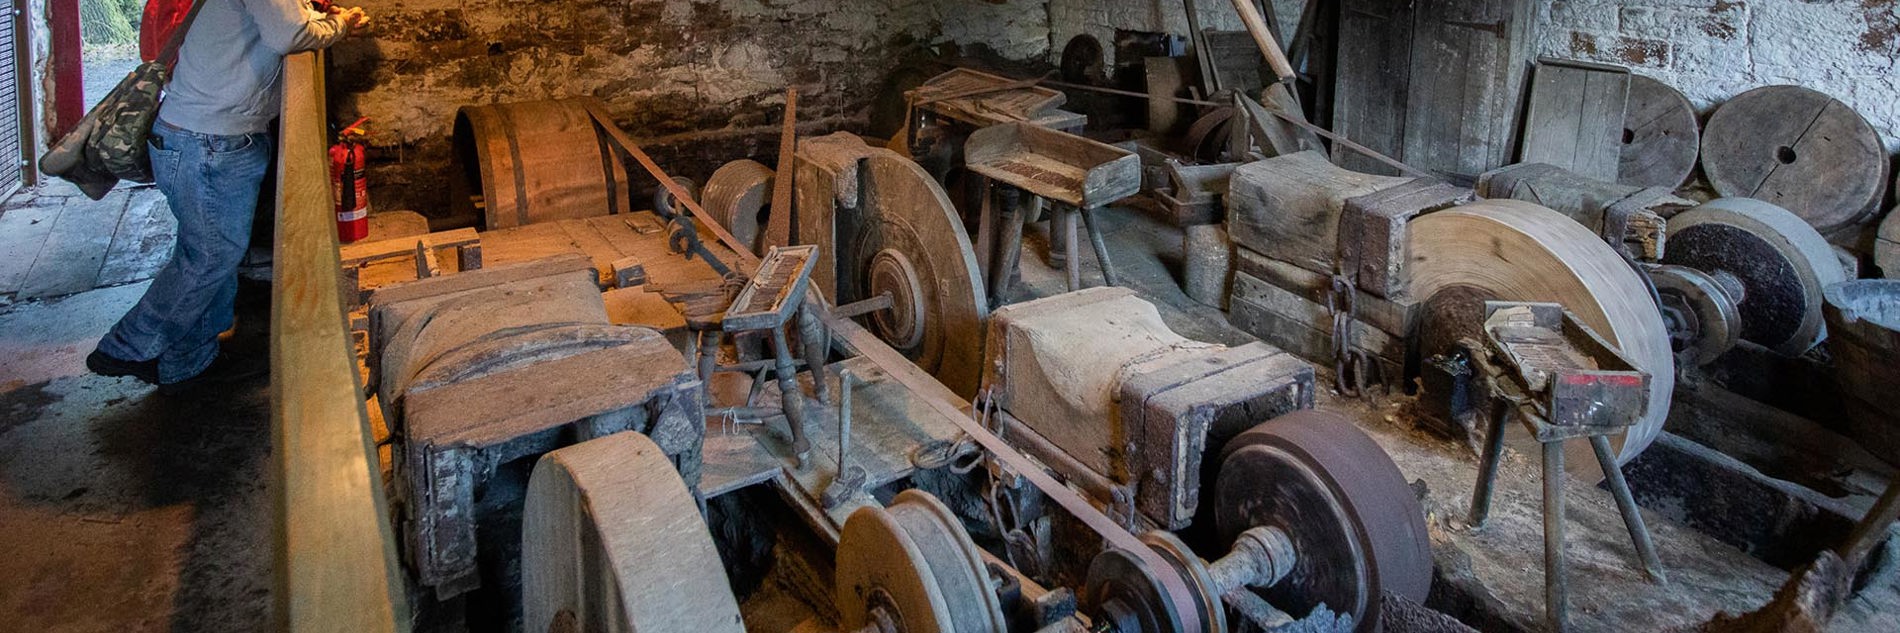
(352, 17)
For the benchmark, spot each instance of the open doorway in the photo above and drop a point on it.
(109, 32)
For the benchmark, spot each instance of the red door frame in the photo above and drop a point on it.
(69, 80)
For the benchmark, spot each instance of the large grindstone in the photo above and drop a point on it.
(1517, 251)
(913, 564)
(735, 196)
(1797, 148)
(611, 540)
(1780, 263)
(1660, 136)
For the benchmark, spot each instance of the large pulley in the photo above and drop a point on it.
(611, 540)
(1355, 528)
(1509, 250)
(905, 240)
(1765, 260)
(911, 568)
(736, 196)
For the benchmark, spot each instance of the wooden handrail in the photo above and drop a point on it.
(336, 566)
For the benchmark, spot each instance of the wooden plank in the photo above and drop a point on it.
(781, 224)
(23, 233)
(1575, 117)
(1468, 61)
(143, 242)
(75, 250)
(334, 550)
(1371, 80)
(399, 247)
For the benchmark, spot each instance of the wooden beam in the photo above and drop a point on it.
(336, 567)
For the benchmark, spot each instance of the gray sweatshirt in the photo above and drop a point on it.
(232, 63)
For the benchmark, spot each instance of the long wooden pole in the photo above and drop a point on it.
(1263, 37)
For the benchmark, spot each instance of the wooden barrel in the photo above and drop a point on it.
(1863, 322)
(534, 161)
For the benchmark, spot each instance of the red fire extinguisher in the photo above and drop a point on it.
(349, 162)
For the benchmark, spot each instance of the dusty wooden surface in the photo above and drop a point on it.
(1055, 165)
(1575, 117)
(1800, 149)
(1661, 136)
(1289, 207)
(336, 567)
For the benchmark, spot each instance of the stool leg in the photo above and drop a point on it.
(817, 343)
(1059, 224)
(1008, 255)
(1626, 504)
(1101, 247)
(707, 356)
(1555, 606)
(792, 400)
(1073, 259)
(1488, 467)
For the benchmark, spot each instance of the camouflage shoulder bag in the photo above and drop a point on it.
(109, 144)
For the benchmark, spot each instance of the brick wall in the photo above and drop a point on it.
(1715, 49)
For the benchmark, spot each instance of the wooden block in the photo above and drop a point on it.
(426, 264)
(1394, 315)
(1288, 207)
(629, 272)
(1166, 77)
(1575, 117)
(1372, 238)
(1289, 321)
(395, 248)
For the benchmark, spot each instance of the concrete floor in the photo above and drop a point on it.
(121, 510)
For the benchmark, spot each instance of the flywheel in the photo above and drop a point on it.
(905, 239)
(1356, 528)
(912, 567)
(736, 197)
(611, 540)
(1508, 250)
(1780, 264)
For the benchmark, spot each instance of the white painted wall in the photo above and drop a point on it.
(1715, 49)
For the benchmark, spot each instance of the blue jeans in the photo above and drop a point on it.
(211, 184)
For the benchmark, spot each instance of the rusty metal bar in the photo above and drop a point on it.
(336, 566)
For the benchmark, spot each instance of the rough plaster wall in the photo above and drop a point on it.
(1715, 49)
(704, 79)
(1014, 29)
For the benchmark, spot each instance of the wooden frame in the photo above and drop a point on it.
(336, 567)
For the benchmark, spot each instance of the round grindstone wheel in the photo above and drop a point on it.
(906, 232)
(1508, 250)
(1357, 529)
(611, 540)
(1781, 263)
(1799, 149)
(1660, 137)
(736, 197)
(913, 563)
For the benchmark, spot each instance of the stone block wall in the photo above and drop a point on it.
(1715, 49)
(700, 82)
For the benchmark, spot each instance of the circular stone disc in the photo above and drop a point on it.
(1797, 148)
(1211, 610)
(1660, 138)
(1715, 321)
(914, 561)
(1357, 528)
(1887, 246)
(905, 211)
(612, 541)
(1781, 262)
(736, 195)
(1517, 251)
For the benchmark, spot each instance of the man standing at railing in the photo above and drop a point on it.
(210, 148)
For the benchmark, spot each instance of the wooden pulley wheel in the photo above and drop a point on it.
(1660, 137)
(534, 161)
(1799, 149)
(736, 197)
(1780, 265)
(911, 565)
(1356, 527)
(1508, 250)
(906, 238)
(1207, 137)
(1703, 320)
(612, 541)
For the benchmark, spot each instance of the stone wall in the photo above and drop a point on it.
(701, 82)
(1716, 49)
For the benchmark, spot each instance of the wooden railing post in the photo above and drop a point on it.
(336, 567)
